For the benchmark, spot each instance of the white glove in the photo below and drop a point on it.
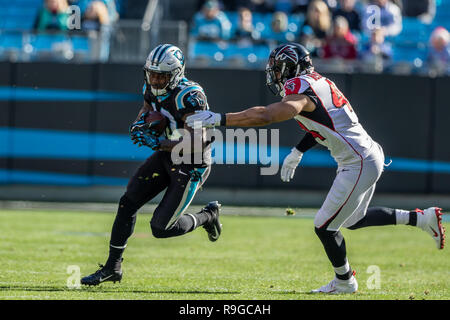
(290, 163)
(205, 118)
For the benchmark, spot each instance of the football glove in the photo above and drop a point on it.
(290, 163)
(146, 139)
(139, 125)
(205, 118)
(143, 126)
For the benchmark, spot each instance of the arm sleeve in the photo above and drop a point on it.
(306, 143)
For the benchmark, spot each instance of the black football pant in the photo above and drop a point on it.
(156, 174)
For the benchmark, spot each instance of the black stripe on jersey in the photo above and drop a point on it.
(320, 114)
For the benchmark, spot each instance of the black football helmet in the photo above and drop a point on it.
(286, 62)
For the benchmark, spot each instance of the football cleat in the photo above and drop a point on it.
(102, 275)
(430, 221)
(337, 286)
(213, 227)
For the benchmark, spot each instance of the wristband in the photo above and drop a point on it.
(307, 143)
(223, 119)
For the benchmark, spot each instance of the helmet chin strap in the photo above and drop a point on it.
(173, 82)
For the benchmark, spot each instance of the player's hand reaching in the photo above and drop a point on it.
(290, 163)
(204, 118)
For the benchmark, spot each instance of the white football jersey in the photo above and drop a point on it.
(333, 123)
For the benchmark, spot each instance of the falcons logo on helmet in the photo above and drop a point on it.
(287, 52)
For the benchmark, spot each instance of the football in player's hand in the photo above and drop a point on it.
(157, 122)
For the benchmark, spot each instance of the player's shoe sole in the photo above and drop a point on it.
(102, 275)
(433, 226)
(213, 227)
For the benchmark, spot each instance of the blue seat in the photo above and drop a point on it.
(408, 54)
(80, 43)
(11, 41)
(204, 49)
(46, 42)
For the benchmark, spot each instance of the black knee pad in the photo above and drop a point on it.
(326, 235)
(158, 232)
(323, 233)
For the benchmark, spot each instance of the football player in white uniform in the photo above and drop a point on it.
(327, 116)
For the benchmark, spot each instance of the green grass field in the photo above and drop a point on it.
(273, 257)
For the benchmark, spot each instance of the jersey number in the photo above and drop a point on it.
(339, 99)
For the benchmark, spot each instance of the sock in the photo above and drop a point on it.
(122, 229)
(412, 218)
(114, 261)
(202, 217)
(402, 216)
(376, 216)
(344, 272)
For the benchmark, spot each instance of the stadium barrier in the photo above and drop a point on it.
(67, 125)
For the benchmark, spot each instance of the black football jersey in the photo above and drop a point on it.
(187, 97)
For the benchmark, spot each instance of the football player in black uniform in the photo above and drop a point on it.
(167, 91)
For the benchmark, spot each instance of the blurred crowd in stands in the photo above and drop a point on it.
(344, 30)
(94, 14)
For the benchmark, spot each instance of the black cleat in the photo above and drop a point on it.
(213, 226)
(102, 275)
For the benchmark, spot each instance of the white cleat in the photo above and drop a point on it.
(430, 221)
(337, 286)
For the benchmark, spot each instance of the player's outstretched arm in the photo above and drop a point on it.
(256, 116)
(168, 145)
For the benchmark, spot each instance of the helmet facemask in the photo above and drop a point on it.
(171, 63)
(277, 74)
(285, 63)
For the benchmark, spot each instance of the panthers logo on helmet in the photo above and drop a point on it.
(287, 52)
(179, 55)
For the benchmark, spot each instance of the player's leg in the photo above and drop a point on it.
(169, 219)
(350, 188)
(149, 180)
(429, 220)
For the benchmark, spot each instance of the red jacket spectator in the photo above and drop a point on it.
(342, 44)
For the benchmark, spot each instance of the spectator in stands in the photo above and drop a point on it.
(53, 16)
(279, 32)
(211, 23)
(424, 10)
(347, 10)
(95, 16)
(376, 48)
(342, 43)
(438, 57)
(245, 31)
(314, 30)
(385, 15)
